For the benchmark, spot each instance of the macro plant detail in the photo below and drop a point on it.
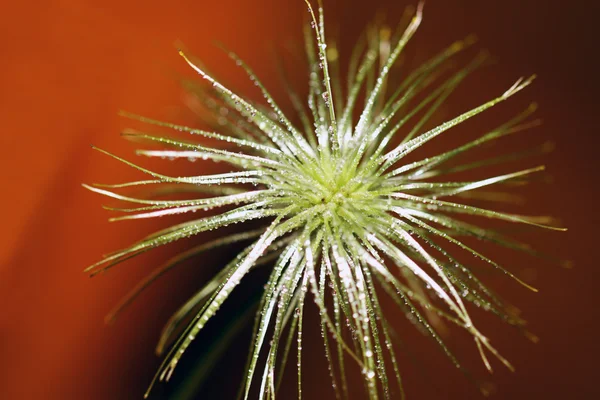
(346, 219)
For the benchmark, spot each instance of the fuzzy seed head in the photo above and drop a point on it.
(346, 220)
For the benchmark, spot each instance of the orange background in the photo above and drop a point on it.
(68, 66)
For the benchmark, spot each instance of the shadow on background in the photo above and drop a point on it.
(69, 66)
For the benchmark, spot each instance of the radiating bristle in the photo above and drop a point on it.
(344, 215)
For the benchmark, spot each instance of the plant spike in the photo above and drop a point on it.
(340, 216)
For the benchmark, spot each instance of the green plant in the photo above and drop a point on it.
(345, 217)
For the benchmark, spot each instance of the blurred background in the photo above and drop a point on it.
(68, 67)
